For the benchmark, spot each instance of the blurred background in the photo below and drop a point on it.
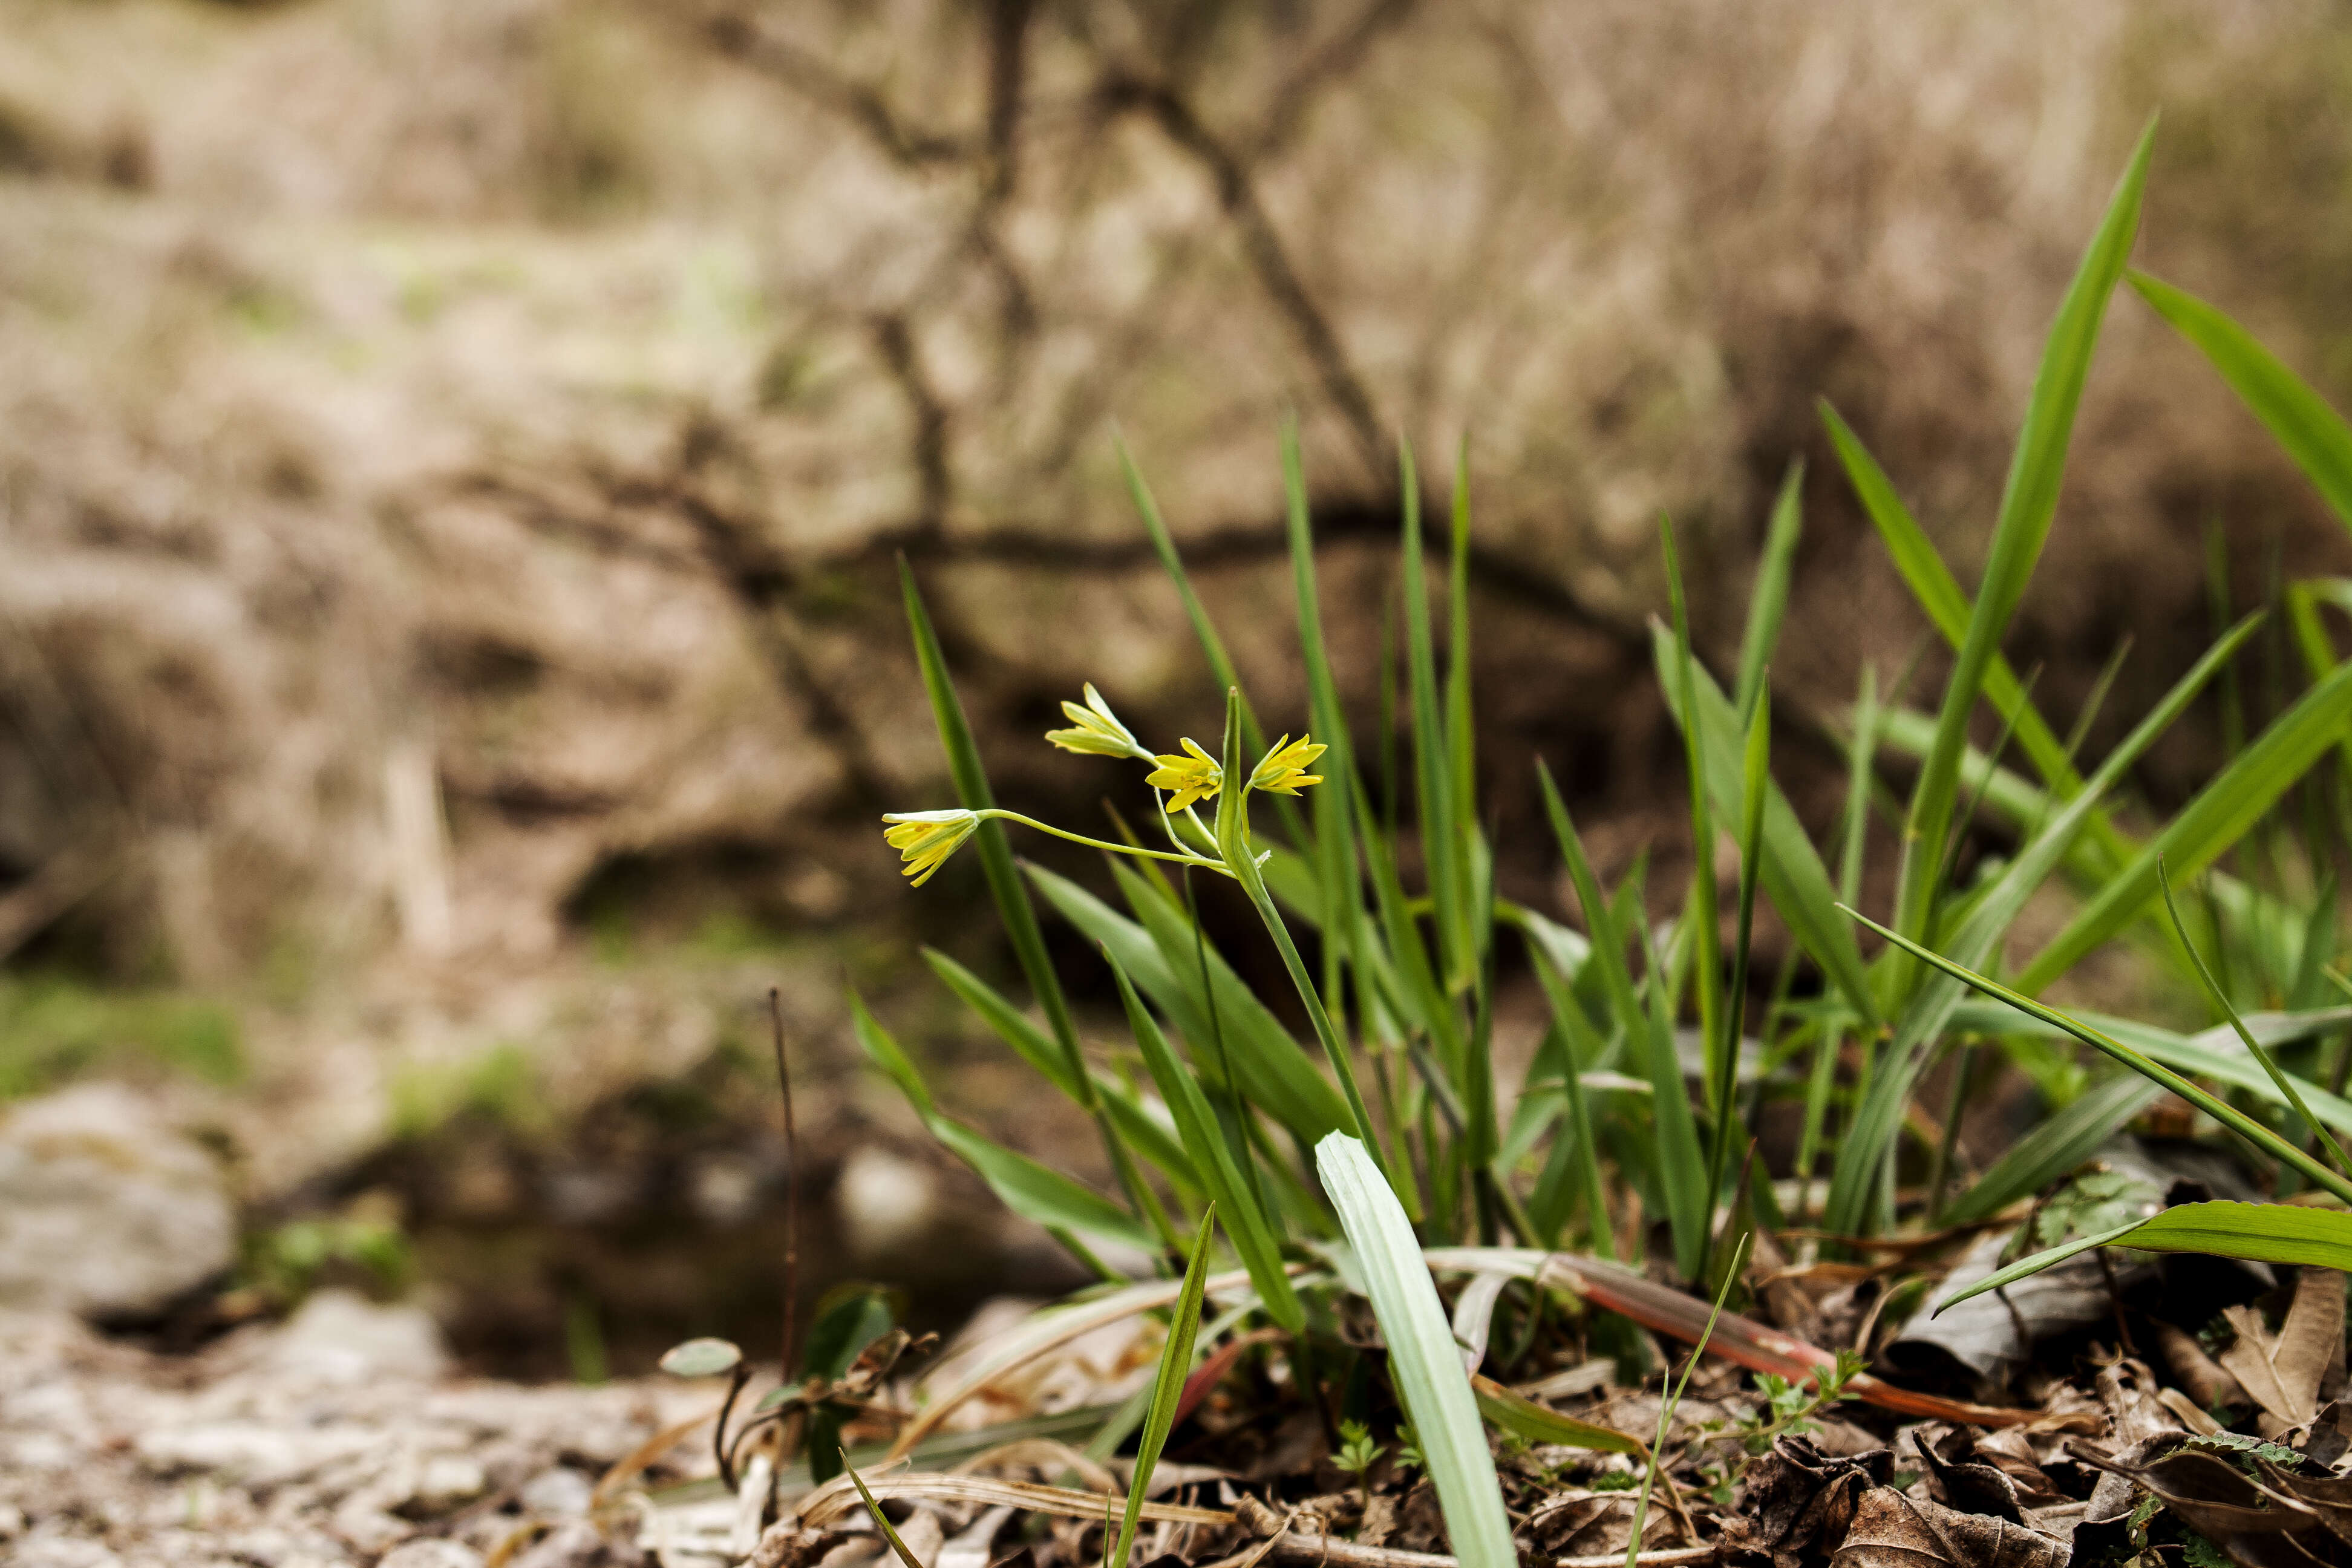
(453, 455)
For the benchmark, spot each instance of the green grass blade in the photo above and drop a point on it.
(1461, 734)
(2219, 816)
(1433, 774)
(1213, 646)
(2313, 433)
(1148, 1134)
(1240, 857)
(1474, 867)
(2214, 1054)
(1033, 1191)
(883, 1049)
(1724, 1099)
(1419, 993)
(1768, 602)
(1423, 1361)
(2260, 1233)
(906, 1556)
(1274, 1074)
(2063, 1140)
(2059, 1144)
(2028, 503)
(2253, 1132)
(1578, 1143)
(1701, 913)
(1858, 1184)
(1167, 1386)
(996, 852)
(1212, 1156)
(1666, 1408)
(1608, 940)
(1028, 1041)
(1523, 1417)
(1011, 899)
(1163, 544)
(1681, 1163)
(1039, 1193)
(1947, 604)
(1791, 871)
(2254, 1047)
(1341, 910)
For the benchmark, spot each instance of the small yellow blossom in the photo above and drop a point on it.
(1284, 769)
(1193, 777)
(926, 838)
(1098, 729)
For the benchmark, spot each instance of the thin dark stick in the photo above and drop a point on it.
(792, 1189)
(720, 1447)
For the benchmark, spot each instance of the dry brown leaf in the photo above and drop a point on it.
(1892, 1531)
(1798, 1502)
(2203, 1378)
(2282, 1371)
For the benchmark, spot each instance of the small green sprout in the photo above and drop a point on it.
(1357, 1454)
(1789, 1407)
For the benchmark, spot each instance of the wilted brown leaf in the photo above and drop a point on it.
(1799, 1502)
(1892, 1531)
(2282, 1371)
(2256, 1524)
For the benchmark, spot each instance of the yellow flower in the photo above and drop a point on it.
(1098, 731)
(1193, 777)
(926, 838)
(1284, 769)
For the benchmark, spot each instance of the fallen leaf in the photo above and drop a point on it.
(2282, 1371)
(2200, 1375)
(1959, 1479)
(2330, 1438)
(2127, 1391)
(2011, 1452)
(2259, 1524)
(1799, 1503)
(1893, 1531)
(1993, 1335)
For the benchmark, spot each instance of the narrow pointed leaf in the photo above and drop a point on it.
(1523, 1417)
(2219, 816)
(1167, 1386)
(1859, 1184)
(1212, 1157)
(2259, 1233)
(1027, 1040)
(1789, 867)
(1423, 1361)
(2253, 1132)
(2028, 503)
(1768, 602)
(996, 852)
(1030, 1190)
(2312, 433)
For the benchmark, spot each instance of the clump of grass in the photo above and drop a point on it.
(1398, 984)
(54, 1028)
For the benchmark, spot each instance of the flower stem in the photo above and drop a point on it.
(1202, 861)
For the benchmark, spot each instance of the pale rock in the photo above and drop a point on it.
(885, 1202)
(104, 1211)
(447, 1480)
(342, 1337)
(559, 1493)
(431, 1553)
(578, 1545)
